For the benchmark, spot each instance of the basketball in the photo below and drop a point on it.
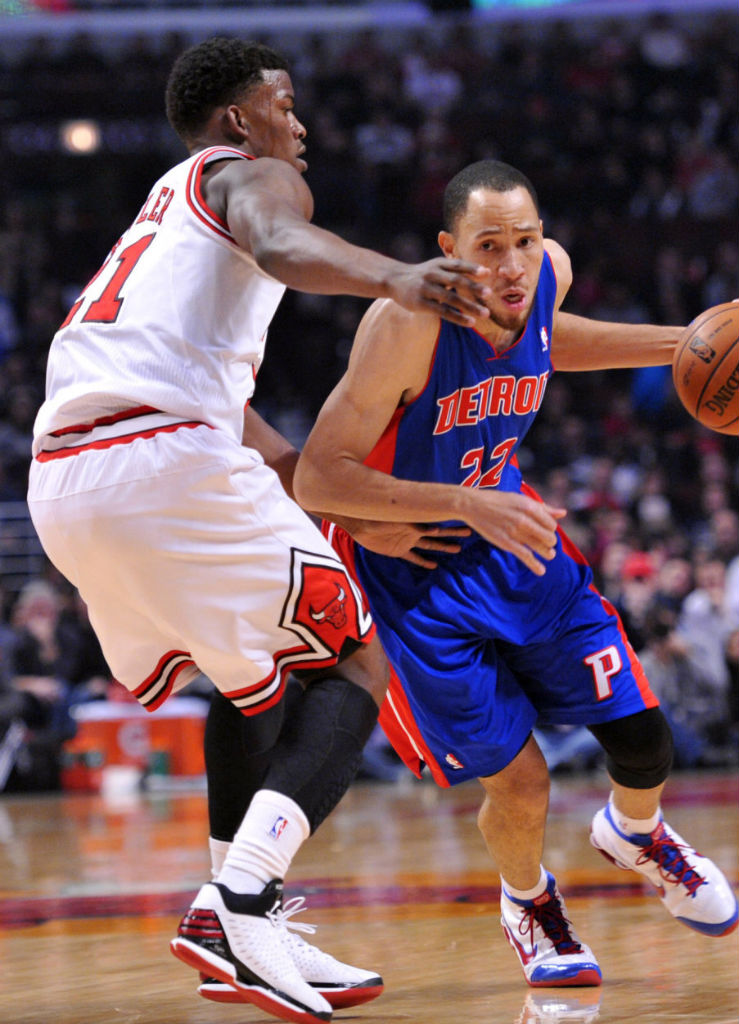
(705, 368)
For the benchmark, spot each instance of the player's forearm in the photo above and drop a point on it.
(344, 487)
(275, 449)
(307, 258)
(579, 343)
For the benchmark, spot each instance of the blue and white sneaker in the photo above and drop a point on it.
(542, 936)
(690, 885)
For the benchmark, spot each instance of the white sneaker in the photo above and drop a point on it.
(236, 939)
(690, 885)
(340, 984)
(542, 936)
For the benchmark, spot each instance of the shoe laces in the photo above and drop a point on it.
(551, 919)
(280, 915)
(670, 860)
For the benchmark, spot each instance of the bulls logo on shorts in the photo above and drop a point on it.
(324, 605)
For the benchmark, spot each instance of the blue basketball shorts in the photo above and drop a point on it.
(481, 650)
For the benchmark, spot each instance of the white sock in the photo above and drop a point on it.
(268, 838)
(641, 826)
(218, 850)
(527, 894)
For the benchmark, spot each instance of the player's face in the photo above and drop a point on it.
(502, 231)
(274, 130)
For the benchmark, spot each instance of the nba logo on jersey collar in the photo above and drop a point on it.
(544, 335)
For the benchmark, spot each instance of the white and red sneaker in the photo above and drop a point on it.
(692, 888)
(235, 939)
(542, 936)
(340, 984)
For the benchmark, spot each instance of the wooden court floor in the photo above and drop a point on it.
(397, 880)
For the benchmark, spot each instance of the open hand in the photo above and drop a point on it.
(405, 540)
(453, 289)
(515, 522)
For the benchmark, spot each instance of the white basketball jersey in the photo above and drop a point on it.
(175, 319)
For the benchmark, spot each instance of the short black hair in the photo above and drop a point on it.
(491, 174)
(212, 74)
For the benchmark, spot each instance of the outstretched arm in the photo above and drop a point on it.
(331, 474)
(579, 343)
(268, 206)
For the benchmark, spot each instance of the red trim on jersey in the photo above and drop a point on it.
(161, 681)
(382, 456)
(194, 192)
(401, 729)
(105, 421)
(647, 694)
(65, 453)
(292, 666)
(396, 717)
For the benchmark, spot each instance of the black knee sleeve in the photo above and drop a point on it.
(238, 752)
(638, 748)
(320, 747)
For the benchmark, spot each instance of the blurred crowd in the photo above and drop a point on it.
(628, 130)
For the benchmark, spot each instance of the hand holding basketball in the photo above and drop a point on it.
(705, 368)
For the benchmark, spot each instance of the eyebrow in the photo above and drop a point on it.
(497, 229)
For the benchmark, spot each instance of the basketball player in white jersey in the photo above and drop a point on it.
(185, 543)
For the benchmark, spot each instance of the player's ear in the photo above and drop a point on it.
(447, 244)
(235, 125)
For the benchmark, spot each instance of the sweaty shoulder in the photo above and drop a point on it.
(242, 184)
(398, 342)
(562, 268)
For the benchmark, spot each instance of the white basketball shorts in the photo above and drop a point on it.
(191, 557)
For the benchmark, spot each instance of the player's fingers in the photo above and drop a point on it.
(555, 511)
(458, 308)
(417, 559)
(451, 314)
(540, 536)
(434, 544)
(544, 543)
(444, 531)
(529, 559)
(463, 269)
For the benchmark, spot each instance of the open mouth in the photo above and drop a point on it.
(514, 299)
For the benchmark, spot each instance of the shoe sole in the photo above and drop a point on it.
(266, 999)
(339, 998)
(589, 977)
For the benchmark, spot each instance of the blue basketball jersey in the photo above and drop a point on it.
(477, 406)
(481, 647)
(464, 428)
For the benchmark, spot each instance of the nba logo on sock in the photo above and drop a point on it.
(279, 826)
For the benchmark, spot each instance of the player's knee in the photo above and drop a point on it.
(638, 748)
(524, 780)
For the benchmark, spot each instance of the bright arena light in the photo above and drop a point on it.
(80, 136)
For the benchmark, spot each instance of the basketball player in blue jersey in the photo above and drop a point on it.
(497, 637)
